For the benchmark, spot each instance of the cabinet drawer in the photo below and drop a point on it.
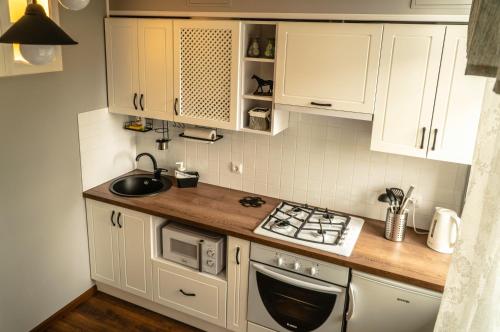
(191, 292)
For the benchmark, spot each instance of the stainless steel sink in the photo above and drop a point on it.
(139, 185)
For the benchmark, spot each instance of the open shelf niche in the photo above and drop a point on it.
(265, 69)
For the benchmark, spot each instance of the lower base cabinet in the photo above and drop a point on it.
(191, 292)
(120, 247)
(125, 248)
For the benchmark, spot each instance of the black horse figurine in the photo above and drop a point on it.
(262, 83)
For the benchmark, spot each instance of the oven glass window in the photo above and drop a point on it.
(183, 248)
(294, 308)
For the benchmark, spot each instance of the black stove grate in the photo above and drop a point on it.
(326, 216)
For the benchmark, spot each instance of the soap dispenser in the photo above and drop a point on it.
(184, 178)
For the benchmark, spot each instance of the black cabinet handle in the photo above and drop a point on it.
(435, 137)
(321, 104)
(175, 106)
(186, 294)
(423, 137)
(135, 101)
(118, 219)
(141, 102)
(238, 255)
(112, 215)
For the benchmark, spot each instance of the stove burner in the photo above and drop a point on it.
(281, 223)
(252, 201)
(309, 224)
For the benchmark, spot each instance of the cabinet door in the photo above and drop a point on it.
(14, 62)
(135, 252)
(383, 305)
(206, 61)
(238, 260)
(122, 65)
(328, 65)
(458, 103)
(103, 243)
(156, 68)
(406, 88)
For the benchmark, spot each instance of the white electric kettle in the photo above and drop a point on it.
(444, 230)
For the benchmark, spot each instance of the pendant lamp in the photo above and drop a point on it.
(37, 34)
(74, 4)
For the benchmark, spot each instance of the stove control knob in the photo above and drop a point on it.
(279, 261)
(296, 266)
(313, 271)
(210, 253)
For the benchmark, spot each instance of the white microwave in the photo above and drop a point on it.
(201, 250)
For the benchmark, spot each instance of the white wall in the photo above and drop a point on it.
(319, 160)
(106, 150)
(44, 260)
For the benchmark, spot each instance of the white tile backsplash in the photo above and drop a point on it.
(106, 149)
(318, 160)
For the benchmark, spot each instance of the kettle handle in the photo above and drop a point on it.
(456, 222)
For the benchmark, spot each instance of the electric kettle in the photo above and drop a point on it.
(444, 230)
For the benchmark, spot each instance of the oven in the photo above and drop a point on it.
(285, 297)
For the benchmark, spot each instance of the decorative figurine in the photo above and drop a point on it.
(254, 48)
(269, 51)
(262, 83)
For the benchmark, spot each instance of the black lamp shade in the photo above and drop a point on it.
(36, 28)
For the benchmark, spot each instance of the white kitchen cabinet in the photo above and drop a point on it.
(409, 69)
(238, 261)
(458, 103)
(103, 243)
(13, 61)
(139, 65)
(120, 247)
(426, 106)
(186, 290)
(328, 66)
(381, 305)
(206, 72)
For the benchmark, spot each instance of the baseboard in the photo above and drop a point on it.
(67, 308)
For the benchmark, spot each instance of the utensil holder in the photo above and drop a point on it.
(395, 225)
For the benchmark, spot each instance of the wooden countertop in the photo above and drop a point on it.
(216, 208)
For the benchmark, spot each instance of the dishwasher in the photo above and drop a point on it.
(381, 305)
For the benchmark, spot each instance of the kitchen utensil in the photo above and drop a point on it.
(399, 194)
(395, 225)
(392, 199)
(407, 199)
(162, 143)
(444, 230)
(384, 198)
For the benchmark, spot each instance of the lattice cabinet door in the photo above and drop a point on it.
(206, 75)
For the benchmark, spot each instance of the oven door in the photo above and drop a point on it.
(285, 301)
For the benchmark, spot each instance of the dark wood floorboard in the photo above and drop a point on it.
(103, 312)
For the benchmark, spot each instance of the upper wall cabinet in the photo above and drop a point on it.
(458, 103)
(410, 118)
(409, 69)
(11, 60)
(139, 64)
(206, 75)
(328, 66)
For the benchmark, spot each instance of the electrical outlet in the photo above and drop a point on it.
(237, 168)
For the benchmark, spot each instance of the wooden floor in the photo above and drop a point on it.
(103, 312)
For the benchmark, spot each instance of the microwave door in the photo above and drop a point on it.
(183, 248)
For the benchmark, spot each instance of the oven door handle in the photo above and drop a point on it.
(295, 282)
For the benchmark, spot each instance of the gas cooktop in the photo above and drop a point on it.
(313, 227)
